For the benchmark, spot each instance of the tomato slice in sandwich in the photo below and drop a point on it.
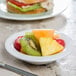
(20, 4)
(25, 2)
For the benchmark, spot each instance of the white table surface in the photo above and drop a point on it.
(65, 22)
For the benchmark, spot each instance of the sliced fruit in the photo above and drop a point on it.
(43, 33)
(17, 43)
(30, 35)
(45, 45)
(49, 46)
(61, 41)
(57, 47)
(56, 36)
(26, 48)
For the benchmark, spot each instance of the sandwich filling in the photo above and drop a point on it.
(30, 5)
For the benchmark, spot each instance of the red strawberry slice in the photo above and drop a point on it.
(17, 43)
(61, 41)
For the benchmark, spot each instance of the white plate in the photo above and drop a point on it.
(34, 59)
(59, 6)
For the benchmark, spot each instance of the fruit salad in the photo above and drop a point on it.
(39, 43)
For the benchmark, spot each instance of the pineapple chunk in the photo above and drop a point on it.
(55, 47)
(45, 43)
(49, 46)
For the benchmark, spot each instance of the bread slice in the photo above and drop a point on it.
(14, 10)
(31, 1)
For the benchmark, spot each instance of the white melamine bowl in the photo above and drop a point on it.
(34, 59)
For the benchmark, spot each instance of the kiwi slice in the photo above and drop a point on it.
(29, 49)
(29, 35)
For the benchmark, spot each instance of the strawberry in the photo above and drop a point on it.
(17, 43)
(61, 41)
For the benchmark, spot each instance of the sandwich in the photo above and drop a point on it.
(29, 6)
